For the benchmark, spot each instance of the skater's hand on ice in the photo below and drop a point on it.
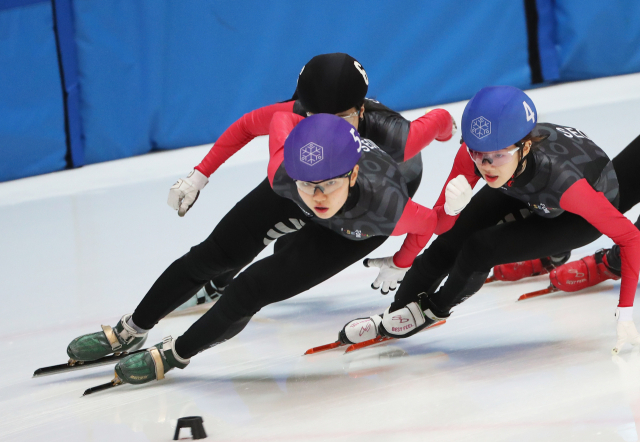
(184, 193)
(626, 329)
(457, 195)
(389, 276)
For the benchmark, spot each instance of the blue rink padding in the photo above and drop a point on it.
(162, 75)
(65, 36)
(32, 136)
(597, 38)
(150, 75)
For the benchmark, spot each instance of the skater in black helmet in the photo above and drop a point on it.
(329, 83)
(567, 184)
(347, 192)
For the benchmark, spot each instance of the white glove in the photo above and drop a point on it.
(184, 193)
(389, 276)
(626, 329)
(457, 195)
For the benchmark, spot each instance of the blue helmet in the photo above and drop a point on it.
(497, 117)
(321, 147)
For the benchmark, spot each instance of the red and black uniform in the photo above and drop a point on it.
(576, 194)
(262, 216)
(401, 139)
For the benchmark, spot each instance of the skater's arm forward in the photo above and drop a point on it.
(281, 125)
(249, 126)
(435, 125)
(419, 223)
(462, 165)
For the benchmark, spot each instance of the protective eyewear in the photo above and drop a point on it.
(351, 115)
(326, 187)
(498, 158)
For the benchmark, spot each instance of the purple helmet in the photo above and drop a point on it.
(321, 147)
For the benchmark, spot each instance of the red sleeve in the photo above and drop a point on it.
(462, 165)
(419, 223)
(593, 206)
(281, 124)
(251, 125)
(436, 124)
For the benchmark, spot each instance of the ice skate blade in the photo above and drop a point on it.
(550, 289)
(79, 365)
(381, 339)
(324, 348)
(113, 383)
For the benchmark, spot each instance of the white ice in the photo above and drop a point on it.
(80, 248)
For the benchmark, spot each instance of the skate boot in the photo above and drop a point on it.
(524, 269)
(208, 293)
(146, 366)
(360, 330)
(121, 338)
(586, 272)
(411, 319)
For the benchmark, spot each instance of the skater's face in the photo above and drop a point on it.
(497, 176)
(326, 206)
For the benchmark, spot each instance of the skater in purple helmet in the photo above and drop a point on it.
(346, 191)
(329, 83)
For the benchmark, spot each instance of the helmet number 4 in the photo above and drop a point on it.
(530, 115)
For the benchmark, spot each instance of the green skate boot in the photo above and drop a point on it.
(150, 365)
(121, 338)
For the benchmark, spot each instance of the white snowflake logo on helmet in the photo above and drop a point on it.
(311, 154)
(481, 127)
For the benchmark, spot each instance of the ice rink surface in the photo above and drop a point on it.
(80, 248)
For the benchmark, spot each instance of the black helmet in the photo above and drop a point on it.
(332, 83)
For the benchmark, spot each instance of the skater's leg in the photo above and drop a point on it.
(510, 242)
(234, 243)
(486, 208)
(312, 257)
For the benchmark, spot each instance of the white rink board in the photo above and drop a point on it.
(80, 248)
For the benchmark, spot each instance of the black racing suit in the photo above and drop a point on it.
(241, 236)
(477, 242)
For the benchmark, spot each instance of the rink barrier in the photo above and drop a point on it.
(155, 75)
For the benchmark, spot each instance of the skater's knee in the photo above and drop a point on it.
(207, 260)
(479, 252)
(242, 298)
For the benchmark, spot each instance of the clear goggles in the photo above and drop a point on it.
(496, 158)
(346, 117)
(326, 187)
